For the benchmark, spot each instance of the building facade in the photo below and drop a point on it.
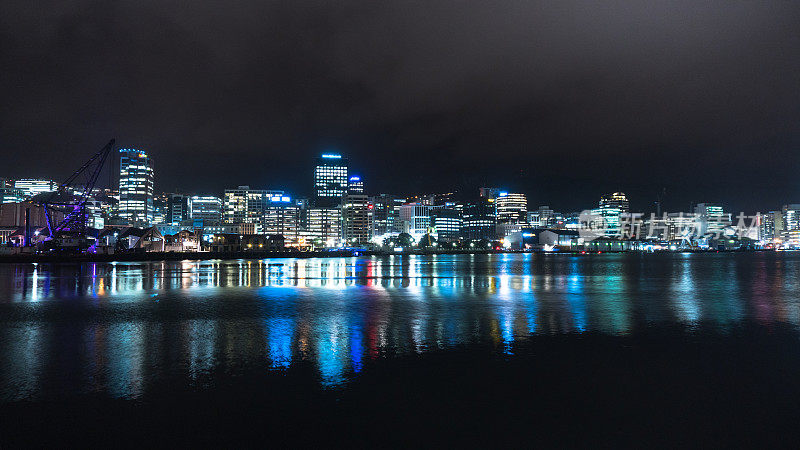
(32, 186)
(245, 205)
(330, 179)
(207, 209)
(512, 207)
(135, 187)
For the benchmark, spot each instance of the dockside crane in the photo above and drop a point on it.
(72, 204)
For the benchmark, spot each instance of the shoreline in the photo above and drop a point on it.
(253, 255)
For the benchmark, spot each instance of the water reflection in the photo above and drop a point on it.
(115, 328)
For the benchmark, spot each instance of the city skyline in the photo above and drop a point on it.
(565, 101)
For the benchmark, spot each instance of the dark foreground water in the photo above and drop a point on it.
(688, 349)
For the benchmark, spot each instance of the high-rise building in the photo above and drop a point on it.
(770, 226)
(245, 205)
(356, 219)
(791, 217)
(416, 220)
(791, 225)
(711, 219)
(489, 192)
(386, 216)
(160, 209)
(355, 185)
(543, 217)
(330, 179)
(282, 216)
(610, 208)
(479, 219)
(135, 187)
(207, 209)
(177, 209)
(324, 227)
(512, 207)
(447, 223)
(32, 186)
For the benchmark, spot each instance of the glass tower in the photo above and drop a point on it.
(330, 179)
(135, 187)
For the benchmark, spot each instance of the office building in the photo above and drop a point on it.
(610, 208)
(489, 192)
(356, 219)
(330, 180)
(177, 208)
(205, 209)
(282, 216)
(770, 226)
(8, 193)
(135, 187)
(245, 205)
(324, 227)
(791, 226)
(479, 219)
(355, 185)
(386, 216)
(511, 208)
(416, 220)
(32, 186)
(447, 223)
(711, 219)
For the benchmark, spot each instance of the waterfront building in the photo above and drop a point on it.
(712, 219)
(177, 208)
(386, 216)
(8, 193)
(13, 214)
(330, 179)
(207, 209)
(610, 208)
(33, 186)
(770, 226)
(542, 217)
(324, 227)
(282, 217)
(479, 219)
(136, 179)
(511, 208)
(160, 209)
(245, 205)
(357, 216)
(791, 225)
(447, 223)
(416, 220)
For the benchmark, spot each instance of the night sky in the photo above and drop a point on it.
(564, 100)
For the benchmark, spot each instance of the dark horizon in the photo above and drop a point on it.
(564, 102)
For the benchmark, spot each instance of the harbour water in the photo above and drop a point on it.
(129, 331)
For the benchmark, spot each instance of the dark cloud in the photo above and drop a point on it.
(564, 100)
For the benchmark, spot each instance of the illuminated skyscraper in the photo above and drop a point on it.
(479, 219)
(282, 216)
(711, 219)
(512, 207)
(135, 187)
(611, 207)
(205, 208)
(245, 205)
(330, 179)
(386, 216)
(355, 185)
